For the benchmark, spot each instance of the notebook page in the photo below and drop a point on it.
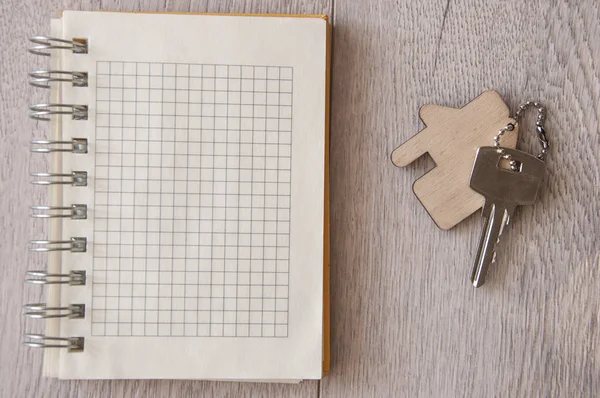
(206, 164)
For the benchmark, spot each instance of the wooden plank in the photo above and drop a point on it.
(21, 369)
(405, 320)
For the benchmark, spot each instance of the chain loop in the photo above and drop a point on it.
(541, 133)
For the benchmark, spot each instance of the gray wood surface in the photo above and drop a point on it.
(405, 321)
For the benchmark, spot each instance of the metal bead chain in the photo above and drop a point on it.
(541, 133)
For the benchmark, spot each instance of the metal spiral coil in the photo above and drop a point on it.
(73, 278)
(44, 111)
(75, 245)
(76, 145)
(43, 78)
(72, 344)
(43, 44)
(74, 212)
(75, 178)
(42, 311)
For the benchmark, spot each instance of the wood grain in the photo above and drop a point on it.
(451, 138)
(405, 321)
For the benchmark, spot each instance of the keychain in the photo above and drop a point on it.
(451, 138)
(470, 175)
(505, 188)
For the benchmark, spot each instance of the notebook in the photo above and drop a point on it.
(188, 197)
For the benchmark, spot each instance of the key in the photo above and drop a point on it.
(504, 188)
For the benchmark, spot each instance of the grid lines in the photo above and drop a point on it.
(192, 200)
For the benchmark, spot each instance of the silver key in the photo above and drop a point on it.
(504, 188)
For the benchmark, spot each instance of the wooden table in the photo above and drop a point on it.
(405, 321)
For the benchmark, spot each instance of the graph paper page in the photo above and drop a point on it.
(206, 167)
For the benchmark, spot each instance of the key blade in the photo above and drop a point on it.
(496, 216)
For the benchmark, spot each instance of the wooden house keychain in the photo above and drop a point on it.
(470, 174)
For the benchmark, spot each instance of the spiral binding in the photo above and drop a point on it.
(75, 178)
(73, 278)
(72, 344)
(44, 111)
(44, 45)
(43, 78)
(42, 311)
(74, 212)
(75, 245)
(76, 145)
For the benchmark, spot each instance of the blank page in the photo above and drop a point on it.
(206, 195)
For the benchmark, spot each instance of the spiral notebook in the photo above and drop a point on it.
(188, 197)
